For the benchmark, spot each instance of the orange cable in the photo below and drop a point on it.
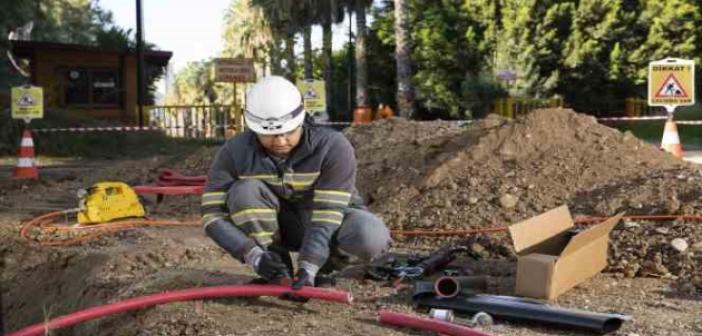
(46, 223)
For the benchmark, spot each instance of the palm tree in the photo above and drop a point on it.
(361, 64)
(309, 16)
(307, 54)
(248, 34)
(331, 11)
(283, 16)
(405, 99)
(287, 17)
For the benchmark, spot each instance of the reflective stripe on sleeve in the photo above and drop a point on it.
(254, 214)
(327, 216)
(332, 196)
(210, 218)
(213, 198)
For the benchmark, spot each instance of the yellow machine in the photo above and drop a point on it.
(106, 201)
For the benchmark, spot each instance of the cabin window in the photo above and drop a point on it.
(94, 87)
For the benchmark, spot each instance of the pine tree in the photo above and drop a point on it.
(672, 30)
(530, 43)
(598, 26)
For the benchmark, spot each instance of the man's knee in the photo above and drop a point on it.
(246, 185)
(248, 193)
(363, 235)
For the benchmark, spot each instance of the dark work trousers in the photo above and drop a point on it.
(280, 224)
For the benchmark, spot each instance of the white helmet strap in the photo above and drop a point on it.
(272, 124)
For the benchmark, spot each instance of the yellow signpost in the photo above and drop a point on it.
(671, 83)
(27, 102)
(314, 98)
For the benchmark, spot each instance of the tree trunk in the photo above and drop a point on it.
(405, 99)
(328, 70)
(307, 42)
(361, 65)
(274, 54)
(290, 56)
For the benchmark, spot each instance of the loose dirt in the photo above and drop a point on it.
(430, 175)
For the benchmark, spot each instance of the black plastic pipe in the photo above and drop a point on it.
(513, 308)
(448, 286)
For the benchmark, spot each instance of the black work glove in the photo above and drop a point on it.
(271, 267)
(302, 278)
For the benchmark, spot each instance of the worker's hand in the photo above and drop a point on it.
(302, 278)
(271, 267)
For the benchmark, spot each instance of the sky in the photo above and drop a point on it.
(192, 30)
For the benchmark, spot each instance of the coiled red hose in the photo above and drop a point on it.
(422, 323)
(180, 295)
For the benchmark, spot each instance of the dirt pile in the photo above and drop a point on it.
(497, 171)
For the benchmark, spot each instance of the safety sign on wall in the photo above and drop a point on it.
(27, 102)
(671, 82)
(313, 95)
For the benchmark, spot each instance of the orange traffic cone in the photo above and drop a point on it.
(26, 168)
(671, 140)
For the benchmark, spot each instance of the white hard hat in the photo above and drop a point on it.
(274, 106)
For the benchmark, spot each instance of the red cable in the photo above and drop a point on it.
(416, 322)
(180, 295)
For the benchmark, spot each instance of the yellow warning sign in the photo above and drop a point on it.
(27, 102)
(313, 95)
(671, 82)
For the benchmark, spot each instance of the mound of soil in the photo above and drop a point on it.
(498, 171)
(495, 172)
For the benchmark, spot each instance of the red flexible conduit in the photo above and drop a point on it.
(416, 322)
(180, 295)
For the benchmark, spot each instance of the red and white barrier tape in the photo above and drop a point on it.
(679, 122)
(633, 118)
(331, 123)
(688, 122)
(95, 129)
(145, 128)
(324, 123)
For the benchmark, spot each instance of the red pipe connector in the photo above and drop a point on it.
(416, 322)
(180, 295)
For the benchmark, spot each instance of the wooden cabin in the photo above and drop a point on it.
(87, 81)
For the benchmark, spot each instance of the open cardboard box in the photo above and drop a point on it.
(552, 259)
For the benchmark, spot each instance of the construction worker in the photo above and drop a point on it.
(288, 185)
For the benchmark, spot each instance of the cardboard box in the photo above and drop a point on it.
(552, 259)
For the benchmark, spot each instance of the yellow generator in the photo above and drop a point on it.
(106, 201)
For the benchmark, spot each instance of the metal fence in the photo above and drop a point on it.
(197, 121)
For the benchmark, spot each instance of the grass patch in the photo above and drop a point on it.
(95, 145)
(652, 130)
(112, 145)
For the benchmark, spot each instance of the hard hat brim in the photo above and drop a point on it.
(286, 127)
